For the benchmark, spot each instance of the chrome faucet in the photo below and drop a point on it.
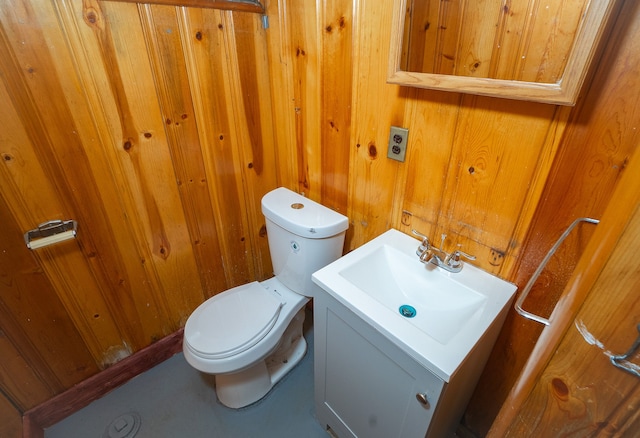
(430, 254)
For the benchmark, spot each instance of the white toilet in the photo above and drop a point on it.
(250, 336)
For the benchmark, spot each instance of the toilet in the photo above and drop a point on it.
(251, 336)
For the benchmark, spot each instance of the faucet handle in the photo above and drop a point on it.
(424, 246)
(453, 259)
(464, 254)
(419, 234)
(425, 239)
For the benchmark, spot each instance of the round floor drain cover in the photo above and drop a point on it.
(125, 426)
(407, 311)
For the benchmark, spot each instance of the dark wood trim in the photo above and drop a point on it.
(244, 6)
(35, 420)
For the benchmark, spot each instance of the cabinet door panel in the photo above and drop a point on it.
(367, 386)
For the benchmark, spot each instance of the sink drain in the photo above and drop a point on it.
(407, 311)
(125, 426)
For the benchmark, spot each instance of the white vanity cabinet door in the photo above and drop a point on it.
(365, 386)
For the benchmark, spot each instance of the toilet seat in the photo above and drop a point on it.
(232, 322)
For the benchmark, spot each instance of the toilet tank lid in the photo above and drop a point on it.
(301, 215)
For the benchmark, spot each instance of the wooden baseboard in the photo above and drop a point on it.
(35, 420)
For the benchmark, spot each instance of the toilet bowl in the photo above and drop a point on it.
(250, 336)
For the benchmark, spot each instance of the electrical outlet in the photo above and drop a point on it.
(397, 143)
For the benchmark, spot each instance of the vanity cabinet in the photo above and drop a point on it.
(380, 372)
(366, 386)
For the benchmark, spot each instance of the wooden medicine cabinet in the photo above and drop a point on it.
(518, 49)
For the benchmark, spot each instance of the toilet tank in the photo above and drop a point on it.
(304, 236)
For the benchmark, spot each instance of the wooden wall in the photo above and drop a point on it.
(159, 128)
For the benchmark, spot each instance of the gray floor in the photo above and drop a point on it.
(174, 400)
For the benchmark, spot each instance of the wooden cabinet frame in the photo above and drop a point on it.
(237, 5)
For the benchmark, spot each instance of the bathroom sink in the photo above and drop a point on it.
(434, 301)
(436, 316)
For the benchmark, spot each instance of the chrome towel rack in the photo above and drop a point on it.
(622, 360)
(538, 271)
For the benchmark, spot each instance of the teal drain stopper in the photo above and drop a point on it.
(407, 311)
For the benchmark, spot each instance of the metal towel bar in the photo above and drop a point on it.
(621, 361)
(536, 274)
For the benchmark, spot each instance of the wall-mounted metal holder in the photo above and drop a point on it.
(621, 361)
(536, 274)
(50, 232)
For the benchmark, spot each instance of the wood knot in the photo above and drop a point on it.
(373, 151)
(164, 251)
(560, 389)
(92, 17)
(199, 36)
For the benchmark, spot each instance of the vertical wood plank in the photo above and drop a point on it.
(10, 419)
(515, 19)
(280, 57)
(433, 126)
(250, 94)
(162, 30)
(336, 89)
(449, 25)
(306, 69)
(424, 51)
(548, 36)
(477, 37)
(21, 384)
(223, 158)
(375, 108)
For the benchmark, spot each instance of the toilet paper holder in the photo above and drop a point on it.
(50, 232)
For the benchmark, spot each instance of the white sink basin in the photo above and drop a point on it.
(442, 306)
(434, 315)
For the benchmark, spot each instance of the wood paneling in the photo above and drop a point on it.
(151, 126)
(159, 128)
(569, 386)
(601, 136)
(10, 426)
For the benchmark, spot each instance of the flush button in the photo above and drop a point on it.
(297, 206)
